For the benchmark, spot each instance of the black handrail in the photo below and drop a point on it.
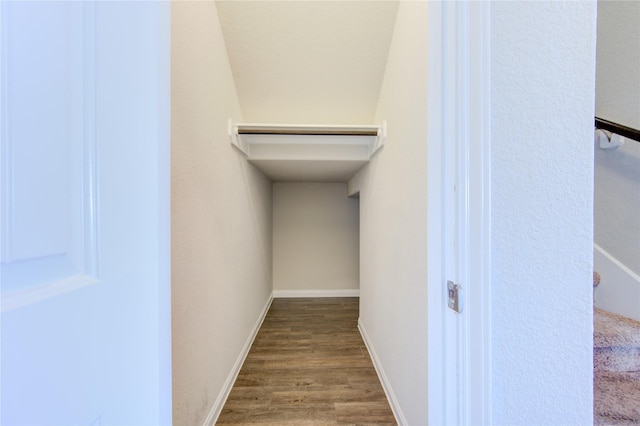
(627, 132)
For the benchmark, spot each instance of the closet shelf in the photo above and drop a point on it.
(295, 152)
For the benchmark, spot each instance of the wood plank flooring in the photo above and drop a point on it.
(308, 365)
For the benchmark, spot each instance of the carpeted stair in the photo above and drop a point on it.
(616, 353)
(616, 343)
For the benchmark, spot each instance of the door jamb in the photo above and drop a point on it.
(465, 26)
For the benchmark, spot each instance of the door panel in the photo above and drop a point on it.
(47, 192)
(85, 321)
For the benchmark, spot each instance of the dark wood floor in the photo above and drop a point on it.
(308, 365)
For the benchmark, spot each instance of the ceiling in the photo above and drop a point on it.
(308, 61)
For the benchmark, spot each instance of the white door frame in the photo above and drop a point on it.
(459, 131)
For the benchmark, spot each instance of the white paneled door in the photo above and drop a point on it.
(85, 335)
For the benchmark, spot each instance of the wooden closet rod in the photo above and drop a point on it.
(307, 129)
(307, 132)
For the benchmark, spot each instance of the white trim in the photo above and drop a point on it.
(3, 89)
(435, 279)
(380, 139)
(386, 385)
(476, 212)
(281, 294)
(215, 410)
(459, 345)
(232, 132)
(165, 381)
(619, 289)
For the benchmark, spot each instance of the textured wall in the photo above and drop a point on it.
(617, 172)
(220, 218)
(393, 220)
(542, 97)
(315, 237)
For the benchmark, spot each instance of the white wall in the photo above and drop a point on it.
(618, 62)
(542, 97)
(617, 172)
(315, 238)
(99, 354)
(220, 218)
(393, 227)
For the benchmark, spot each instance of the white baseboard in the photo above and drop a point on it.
(214, 413)
(316, 293)
(391, 397)
(619, 289)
